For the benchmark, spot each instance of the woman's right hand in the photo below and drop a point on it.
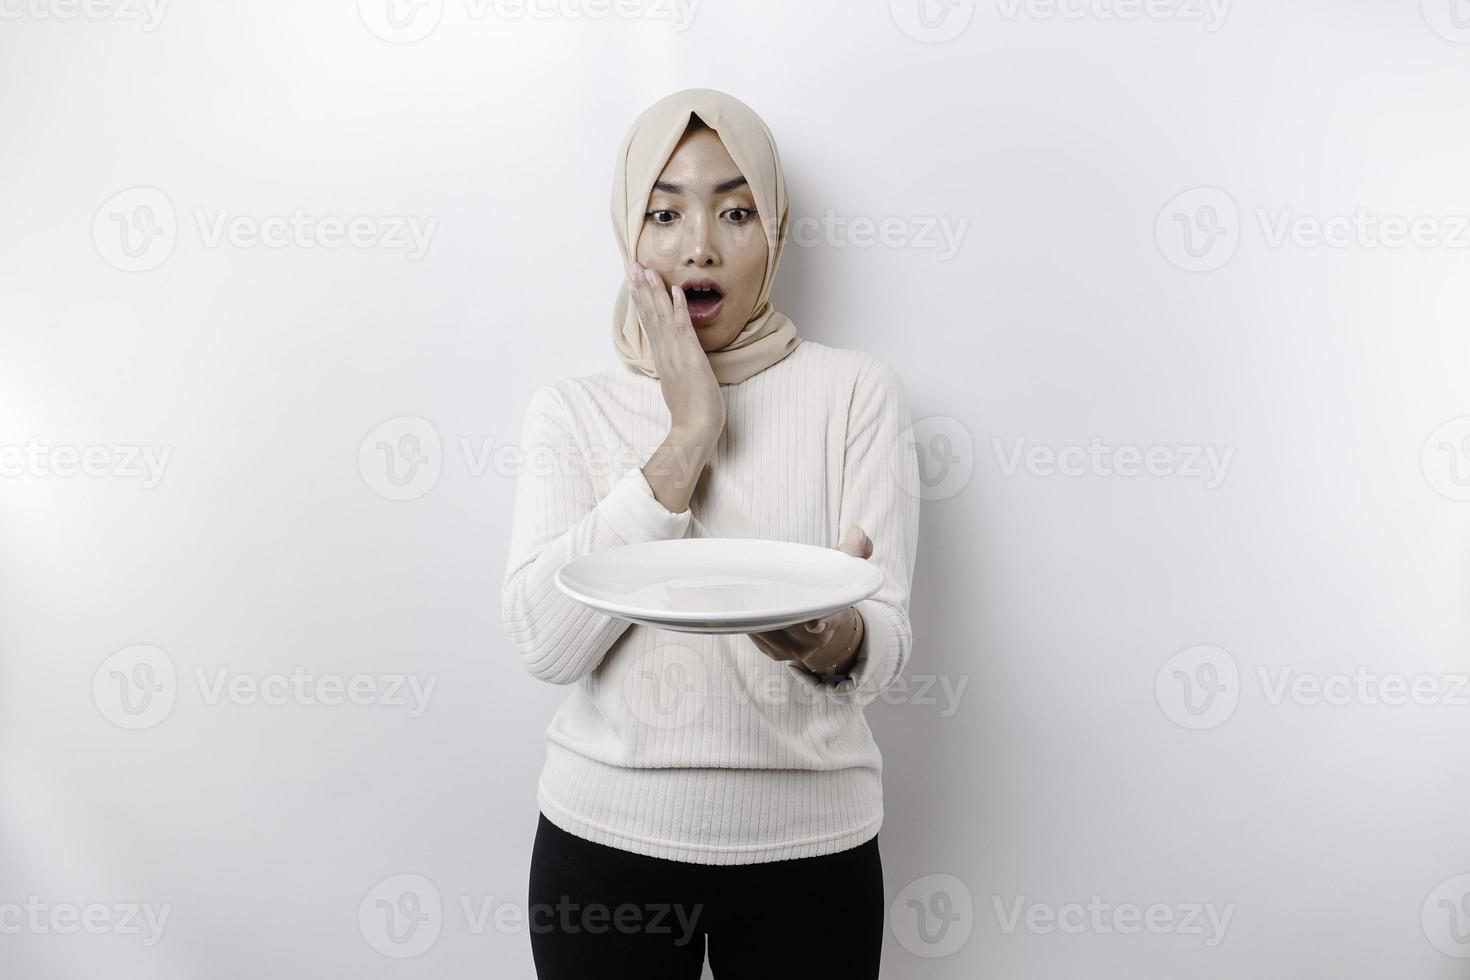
(690, 390)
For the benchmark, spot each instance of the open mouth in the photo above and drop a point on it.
(705, 299)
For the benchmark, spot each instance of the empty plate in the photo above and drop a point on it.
(718, 585)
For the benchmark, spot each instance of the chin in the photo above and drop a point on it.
(711, 337)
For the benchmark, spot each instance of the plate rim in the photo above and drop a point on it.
(877, 576)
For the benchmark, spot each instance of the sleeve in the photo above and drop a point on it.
(880, 483)
(558, 518)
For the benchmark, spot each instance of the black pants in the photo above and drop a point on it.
(599, 912)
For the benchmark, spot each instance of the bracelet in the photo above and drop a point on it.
(857, 632)
(849, 649)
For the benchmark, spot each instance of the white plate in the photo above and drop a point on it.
(718, 585)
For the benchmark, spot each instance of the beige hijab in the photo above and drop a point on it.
(768, 335)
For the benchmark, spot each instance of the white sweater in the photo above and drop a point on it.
(696, 747)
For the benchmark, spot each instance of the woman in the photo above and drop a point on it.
(730, 781)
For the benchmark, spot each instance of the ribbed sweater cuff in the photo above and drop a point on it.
(634, 513)
(879, 658)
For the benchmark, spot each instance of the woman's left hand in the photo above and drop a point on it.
(826, 644)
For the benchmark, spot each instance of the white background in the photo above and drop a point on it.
(1074, 760)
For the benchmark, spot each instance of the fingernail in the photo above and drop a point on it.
(651, 276)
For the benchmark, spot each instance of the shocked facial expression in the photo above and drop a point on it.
(702, 233)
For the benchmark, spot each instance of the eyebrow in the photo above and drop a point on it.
(729, 185)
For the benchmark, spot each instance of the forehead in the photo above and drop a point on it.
(700, 161)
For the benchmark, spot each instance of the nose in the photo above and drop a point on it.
(699, 247)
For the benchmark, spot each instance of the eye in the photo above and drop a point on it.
(661, 217)
(740, 215)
